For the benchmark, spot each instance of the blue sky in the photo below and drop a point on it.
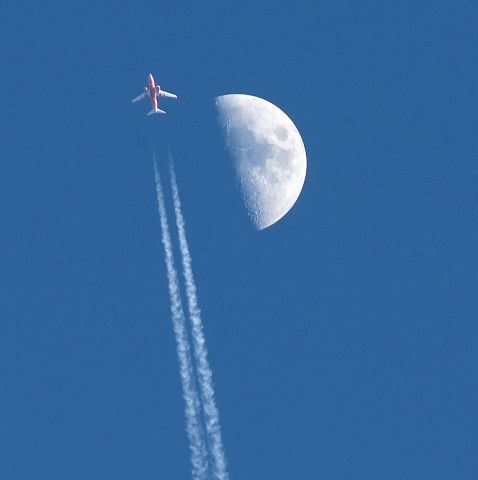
(343, 339)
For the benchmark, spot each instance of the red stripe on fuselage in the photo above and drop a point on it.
(152, 92)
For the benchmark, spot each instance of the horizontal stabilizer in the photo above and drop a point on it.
(152, 112)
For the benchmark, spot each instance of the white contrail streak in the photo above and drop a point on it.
(211, 413)
(199, 455)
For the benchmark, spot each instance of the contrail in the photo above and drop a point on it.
(211, 413)
(199, 455)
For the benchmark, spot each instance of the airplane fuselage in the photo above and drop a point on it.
(152, 92)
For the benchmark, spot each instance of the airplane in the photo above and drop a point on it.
(153, 92)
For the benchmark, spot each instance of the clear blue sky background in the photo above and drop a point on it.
(343, 339)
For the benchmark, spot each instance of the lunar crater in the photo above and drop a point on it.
(241, 138)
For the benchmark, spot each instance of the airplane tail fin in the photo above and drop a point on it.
(152, 112)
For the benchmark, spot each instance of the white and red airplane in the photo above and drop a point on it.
(153, 92)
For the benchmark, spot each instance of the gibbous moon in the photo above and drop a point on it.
(268, 152)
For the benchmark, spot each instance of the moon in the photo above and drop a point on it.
(268, 153)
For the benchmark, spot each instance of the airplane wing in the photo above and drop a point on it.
(162, 93)
(139, 97)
